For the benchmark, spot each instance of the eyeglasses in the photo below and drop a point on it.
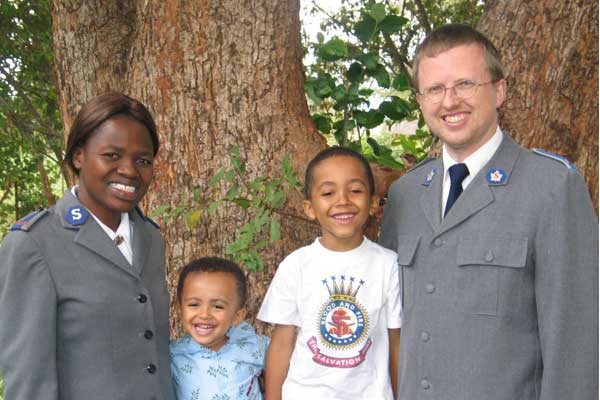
(462, 89)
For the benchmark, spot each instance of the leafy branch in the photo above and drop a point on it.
(263, 198)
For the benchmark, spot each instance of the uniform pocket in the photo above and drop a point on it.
(490, 271)
(407, 249)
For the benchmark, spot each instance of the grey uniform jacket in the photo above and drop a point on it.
(501, 297)
(77, 321)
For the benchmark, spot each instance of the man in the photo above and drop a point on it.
(498, 247)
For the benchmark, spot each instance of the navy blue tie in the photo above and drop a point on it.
(458, 173)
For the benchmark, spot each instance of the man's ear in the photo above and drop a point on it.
(500, 92)
(240, 315)
(308, 210)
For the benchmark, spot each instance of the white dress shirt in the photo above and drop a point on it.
(124, 231)
(475, 162)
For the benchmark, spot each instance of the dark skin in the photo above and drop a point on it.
(115, 168)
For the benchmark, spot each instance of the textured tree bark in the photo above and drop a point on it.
(215, 74)
(550, 50)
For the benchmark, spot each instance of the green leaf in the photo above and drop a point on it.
(374, 145)
(274, 230)
(229, 175)
(377, 12)
(232, 192)
(401, 82)
(197, 192)
(177, 211)
(212, 209)
(354, 73)
(322, 123)
(240, 201)
(217, 177)
(159, 211)
(320, 37)
(396, 109)
(392, 24)
(193, 218)
(381, 75)
(261, 244)
(369, 60)
(339, 93)
(278, 199)
(309, 88)
(369, 119)
(333, 50)
(365, 28)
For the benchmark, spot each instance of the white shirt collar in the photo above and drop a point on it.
(123, 230)
(475, 162)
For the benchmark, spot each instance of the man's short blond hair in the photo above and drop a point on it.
(449, 36)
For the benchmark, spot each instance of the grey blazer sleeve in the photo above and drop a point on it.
(566, 292)
(27, 321)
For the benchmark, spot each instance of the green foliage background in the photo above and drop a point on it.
(359, 83)
(30, 126)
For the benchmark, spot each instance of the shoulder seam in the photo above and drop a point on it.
(554, 157)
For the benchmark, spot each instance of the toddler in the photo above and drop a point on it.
(220, 357)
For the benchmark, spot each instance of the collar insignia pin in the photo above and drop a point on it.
(76, 215)
(496, 176)
(429, 177)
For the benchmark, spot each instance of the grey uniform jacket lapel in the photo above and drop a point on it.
(142, 240)
(91, 236)
(476, 196)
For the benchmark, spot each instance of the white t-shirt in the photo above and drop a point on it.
(343, 303)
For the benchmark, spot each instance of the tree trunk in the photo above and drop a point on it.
(550, 50)
(215, 74)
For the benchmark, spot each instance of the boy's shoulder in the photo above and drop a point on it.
(378, 249)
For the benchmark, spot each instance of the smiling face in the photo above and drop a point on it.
(209, 306)
(464, 125)
(341, 201)
(115, 168)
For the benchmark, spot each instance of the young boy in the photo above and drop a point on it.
(220, 356)
(336, 302)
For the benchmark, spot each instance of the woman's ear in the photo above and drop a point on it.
(78, 156)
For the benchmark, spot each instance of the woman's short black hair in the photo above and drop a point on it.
(215, 264)
(336, 151)
(100, 109)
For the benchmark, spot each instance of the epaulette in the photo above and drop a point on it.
(555, 157)
(146, 218)
(25, 223)
(421, 163)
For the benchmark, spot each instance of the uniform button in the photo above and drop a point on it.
(430, 288)
(425, 336)
(425, 384)
(142, 298)
(489, 256)
(148, 334)
(151, 368)
(438, 242)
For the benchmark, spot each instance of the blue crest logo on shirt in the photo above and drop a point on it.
(429, 177)
(76, 215)
(342, 320)
(496, 176)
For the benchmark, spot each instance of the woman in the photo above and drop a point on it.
(83, 302)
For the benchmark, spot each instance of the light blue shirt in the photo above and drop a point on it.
(229, 374)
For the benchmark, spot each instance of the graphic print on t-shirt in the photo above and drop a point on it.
(343, 325)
